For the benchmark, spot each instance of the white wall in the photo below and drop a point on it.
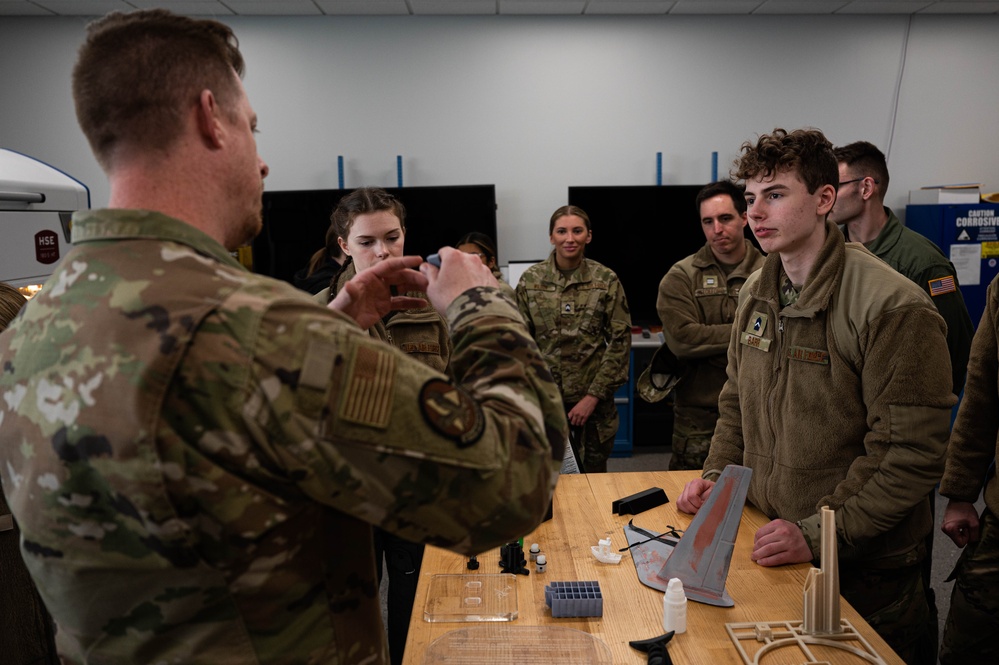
(536, 104)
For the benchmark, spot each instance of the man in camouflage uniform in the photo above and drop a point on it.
(196, 454)
(838, 394)
(971, 633)
(697, 301)
(577, 311)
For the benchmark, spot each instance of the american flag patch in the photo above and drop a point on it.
(367, 395)
(943, 285)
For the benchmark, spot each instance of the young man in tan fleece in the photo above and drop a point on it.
(838, 394)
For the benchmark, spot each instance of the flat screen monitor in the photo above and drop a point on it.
(639, 232)
(295, 222)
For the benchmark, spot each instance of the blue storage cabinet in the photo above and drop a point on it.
(623, 400)
(969, 235)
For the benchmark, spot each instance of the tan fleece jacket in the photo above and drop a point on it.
(974, 444)
(841, 399)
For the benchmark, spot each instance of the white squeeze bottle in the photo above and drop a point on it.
(675, 607)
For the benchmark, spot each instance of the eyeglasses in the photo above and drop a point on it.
(847, 182)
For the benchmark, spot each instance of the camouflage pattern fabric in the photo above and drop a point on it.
(692, 430)
(196, 454)
(890, 596)
(583, 327)
(788, 294)
(593, 442)
(971, 632)
(422, 335)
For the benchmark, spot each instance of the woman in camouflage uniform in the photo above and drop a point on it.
(577, 311)
(370, 227)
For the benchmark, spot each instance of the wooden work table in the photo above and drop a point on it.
(632, 611)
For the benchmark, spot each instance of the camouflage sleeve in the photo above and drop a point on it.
(687, 336)
(974, 443)
(616, 360)
(357, 425)
(524, 307)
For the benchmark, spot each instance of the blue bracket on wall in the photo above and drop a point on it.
(398, 168)
(339, 169)
(659, 168)
(714, 167)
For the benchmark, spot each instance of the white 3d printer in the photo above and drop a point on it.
(36, 203)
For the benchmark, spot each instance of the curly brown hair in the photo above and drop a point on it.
(806, 151)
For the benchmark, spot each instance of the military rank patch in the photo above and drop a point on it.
(753, 334)
(757, 324)
(367, 393)
(452, 412)
(710, 282)
(943, 285)
(817, 356)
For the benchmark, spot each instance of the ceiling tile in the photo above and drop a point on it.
(715, 6)
(84, 7)
(959, 7)
(273, 7)
(799, 6)
(628, 6)
(22, 8)
(477, 7)
(186, 7)
(363, 7)
(883, 7)
(542, 7)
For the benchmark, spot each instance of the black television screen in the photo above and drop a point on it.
(639, 232)
(295, 222)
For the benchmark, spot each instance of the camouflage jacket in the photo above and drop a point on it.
(696, 305)
(419, 333)
(582, 325)
(195, 453)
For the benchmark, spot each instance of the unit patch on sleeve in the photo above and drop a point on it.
(942, 285)
(367, 392)
(452, 412)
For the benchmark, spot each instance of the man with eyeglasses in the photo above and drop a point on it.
(860, 211)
